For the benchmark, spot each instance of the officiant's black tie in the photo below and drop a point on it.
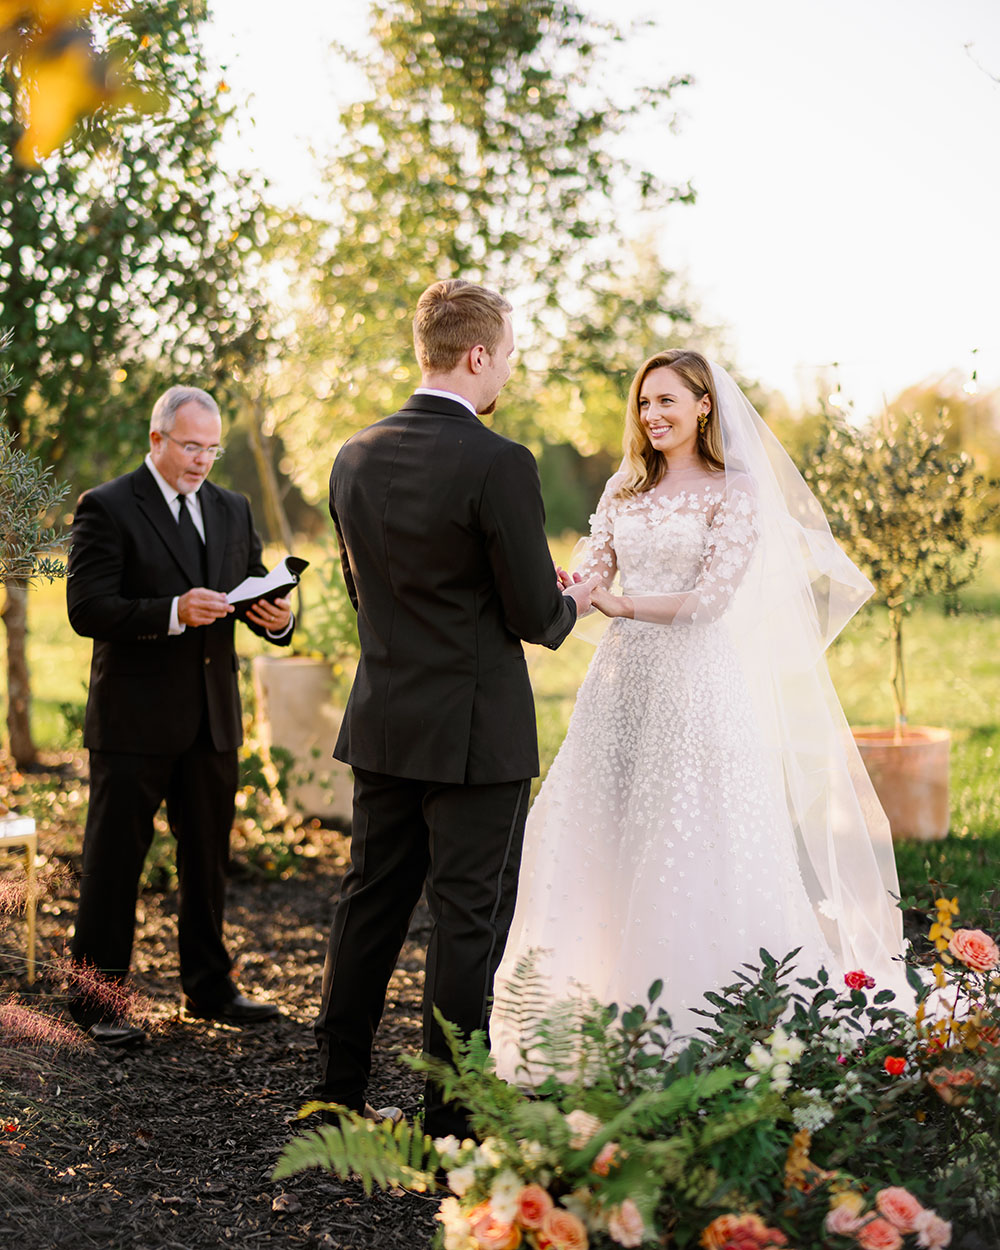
(194, 548)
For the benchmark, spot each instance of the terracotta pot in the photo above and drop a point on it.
(910, 776)
(297, 711)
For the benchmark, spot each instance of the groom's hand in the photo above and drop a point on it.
(581, 592)
(564, 580)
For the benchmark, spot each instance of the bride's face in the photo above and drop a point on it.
(669, 412)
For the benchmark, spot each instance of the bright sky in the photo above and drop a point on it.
(844, 155)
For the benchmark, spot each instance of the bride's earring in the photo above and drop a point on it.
(703, 422)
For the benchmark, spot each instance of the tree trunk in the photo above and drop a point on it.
(15, 619)
(278, 527)
(897, 675)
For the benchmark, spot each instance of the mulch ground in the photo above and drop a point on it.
(172, 1144)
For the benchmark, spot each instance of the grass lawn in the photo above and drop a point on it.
(953, 672)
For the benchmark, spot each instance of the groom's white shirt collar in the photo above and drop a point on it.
(426, 390)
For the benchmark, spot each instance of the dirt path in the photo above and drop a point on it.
(173, 1144)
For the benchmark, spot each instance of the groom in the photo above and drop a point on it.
(440, 525)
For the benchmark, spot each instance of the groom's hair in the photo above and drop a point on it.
(453, 317)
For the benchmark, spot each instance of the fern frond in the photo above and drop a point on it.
(387, 1156)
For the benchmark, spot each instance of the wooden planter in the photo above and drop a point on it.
(297, 710)
(910, 776)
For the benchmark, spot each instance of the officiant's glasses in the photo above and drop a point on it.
(194, 450)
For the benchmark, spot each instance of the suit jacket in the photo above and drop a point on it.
(148, 688)
(441, 530)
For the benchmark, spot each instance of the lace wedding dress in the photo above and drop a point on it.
(660, 845)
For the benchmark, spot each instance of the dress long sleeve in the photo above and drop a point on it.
(598, 557)
(732, 537)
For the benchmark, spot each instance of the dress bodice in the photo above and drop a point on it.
(680, 549)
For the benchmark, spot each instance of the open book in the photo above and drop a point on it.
(274, 585)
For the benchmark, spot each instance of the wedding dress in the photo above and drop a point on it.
(707, 800)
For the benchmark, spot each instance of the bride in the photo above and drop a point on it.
(708, 799)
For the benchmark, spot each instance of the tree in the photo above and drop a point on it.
(124, 259)
(489, 147)
(905, 508)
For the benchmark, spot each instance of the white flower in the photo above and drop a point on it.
(813, 1116)
(751, 1081)
(457, 1229)
(759, 1058)
(826, 908)
(785, 1049)
(487, 1155)
(447, 1147)
(461, 1180)
(503, 1195)
(532, 1152)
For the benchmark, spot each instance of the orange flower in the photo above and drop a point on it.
(950, 1085)
(975, 949)
(895, 1065)
(533, 1204)
(561, 1230)
(608, 1157)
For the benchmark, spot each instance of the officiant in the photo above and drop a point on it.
(153, 554)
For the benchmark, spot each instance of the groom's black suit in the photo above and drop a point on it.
(440, 523)
(163, 717)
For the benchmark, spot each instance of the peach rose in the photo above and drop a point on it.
(975, 949)
(625, 1224)
(899, 1207)
(933, 1233)
(842, 1221)
(879, 1234)
(533, 1204)
(607, 1158)
(489, 1233)
(561, 1230)
(952, 1085)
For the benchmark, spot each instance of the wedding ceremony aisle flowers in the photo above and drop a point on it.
(807, 1113)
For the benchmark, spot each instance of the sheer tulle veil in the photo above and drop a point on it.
(797, 594)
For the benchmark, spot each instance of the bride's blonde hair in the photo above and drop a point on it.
(643, 465)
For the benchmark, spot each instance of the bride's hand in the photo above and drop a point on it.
(612, 605)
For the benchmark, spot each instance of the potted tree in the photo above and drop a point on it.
(300, 697)
(906, 510)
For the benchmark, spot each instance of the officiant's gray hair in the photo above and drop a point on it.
(164, 412)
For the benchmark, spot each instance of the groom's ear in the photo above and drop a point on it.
(477, 358)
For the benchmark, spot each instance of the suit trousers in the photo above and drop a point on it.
(199, 786)
(464, 843)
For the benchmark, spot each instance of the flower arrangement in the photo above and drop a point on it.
(804, 1115)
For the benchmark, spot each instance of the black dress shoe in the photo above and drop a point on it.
(116, 1034)
(238, 1010)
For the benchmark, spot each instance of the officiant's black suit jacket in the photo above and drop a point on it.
(148, 689)
(440, 522)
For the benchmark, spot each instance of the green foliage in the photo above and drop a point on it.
(328, 623)
(383, 1155)
(28, 493)
(794, 1093)
(487, 148)
(130, 245)
(906, 510)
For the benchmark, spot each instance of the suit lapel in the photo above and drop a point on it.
(213, 516)
(155, 508)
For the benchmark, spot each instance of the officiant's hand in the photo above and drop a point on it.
(202, 607)
(274, 617)
(612, 605)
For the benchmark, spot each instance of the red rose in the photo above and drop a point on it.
(859, 980)
(895, 1065)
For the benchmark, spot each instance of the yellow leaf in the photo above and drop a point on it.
(55, 93)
